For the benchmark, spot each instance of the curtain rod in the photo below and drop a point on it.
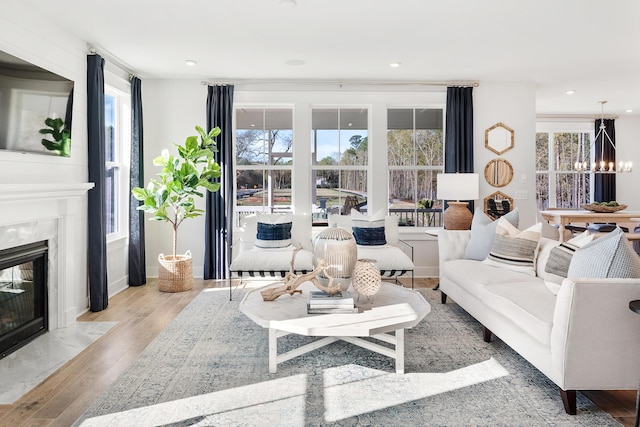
(341, 82)
(92, 50)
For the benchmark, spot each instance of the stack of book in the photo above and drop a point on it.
(324, 303)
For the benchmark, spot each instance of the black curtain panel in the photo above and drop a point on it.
(458, 144)
(605, 184)
(137, 265)
(219, 207)
(97, 237)
(458, 151)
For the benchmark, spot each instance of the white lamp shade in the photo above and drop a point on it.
(458, 186)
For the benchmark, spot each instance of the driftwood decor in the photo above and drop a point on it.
(292, 280)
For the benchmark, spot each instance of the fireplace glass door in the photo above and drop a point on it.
(23, 295)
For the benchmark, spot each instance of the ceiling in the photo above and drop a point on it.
(589, 46)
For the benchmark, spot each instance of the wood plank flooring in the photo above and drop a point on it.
(141, 313)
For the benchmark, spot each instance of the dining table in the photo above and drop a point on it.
(562, 217)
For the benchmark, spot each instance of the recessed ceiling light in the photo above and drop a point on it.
(190, 62)
(629, 111)
(394, 65)
(288, 3)
(294, 62)
(570, 92)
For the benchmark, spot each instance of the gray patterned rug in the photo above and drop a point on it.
(210, 367)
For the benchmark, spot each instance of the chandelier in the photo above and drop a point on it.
(604, 166)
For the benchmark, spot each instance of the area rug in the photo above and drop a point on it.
(209, 367)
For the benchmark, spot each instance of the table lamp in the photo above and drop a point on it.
(457, 186)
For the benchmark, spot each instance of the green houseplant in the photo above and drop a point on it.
(171, 198)
(61, 144)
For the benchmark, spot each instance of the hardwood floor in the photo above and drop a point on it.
(141, 313)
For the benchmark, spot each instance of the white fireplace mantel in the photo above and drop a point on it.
(9, 192)
(56, 213)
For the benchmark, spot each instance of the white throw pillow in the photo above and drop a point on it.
(610, 256)
(483, 230)
(513, 249)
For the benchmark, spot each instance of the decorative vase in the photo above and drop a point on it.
(175, 274)
(366, 278)
(337, 247)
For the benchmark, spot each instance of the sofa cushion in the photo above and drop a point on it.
(483, 230)
(608, 256)
(476, 276)
(514, 249)
(557, 265)
(527, 304)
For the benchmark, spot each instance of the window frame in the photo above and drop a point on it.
(570, 127)
(437, 220)
(366, 168)
(121, 161)
(264, 167)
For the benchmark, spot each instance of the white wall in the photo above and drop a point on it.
(514, 105)
(171, 110)
(27, 35)
(173, 107)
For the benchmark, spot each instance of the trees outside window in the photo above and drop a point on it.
(339, 161)
(264, 160)
(558, 182)
(415, 155)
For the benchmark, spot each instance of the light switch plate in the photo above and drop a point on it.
(521, 195)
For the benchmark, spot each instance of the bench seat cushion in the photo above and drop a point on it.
(271, 262)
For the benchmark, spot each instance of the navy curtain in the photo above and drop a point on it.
(97, 237)
(458, 144)
(219, 208)
(605, 184)
(137, 268)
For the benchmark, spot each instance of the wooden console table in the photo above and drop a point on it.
(564, 217)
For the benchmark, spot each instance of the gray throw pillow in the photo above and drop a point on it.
(608, 256)
(483, 231)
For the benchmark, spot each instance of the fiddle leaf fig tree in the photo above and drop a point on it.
(171, 196)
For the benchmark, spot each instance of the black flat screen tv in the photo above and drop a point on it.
(35, 105)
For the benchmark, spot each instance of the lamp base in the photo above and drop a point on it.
(457, 216)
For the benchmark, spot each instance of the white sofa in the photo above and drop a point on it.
(585, 338)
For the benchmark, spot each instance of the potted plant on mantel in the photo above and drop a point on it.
(171, 198)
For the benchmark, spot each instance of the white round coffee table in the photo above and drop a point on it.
(385, 317)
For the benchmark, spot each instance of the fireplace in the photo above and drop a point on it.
(23, 295)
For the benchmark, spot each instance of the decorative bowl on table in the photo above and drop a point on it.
(602, 208)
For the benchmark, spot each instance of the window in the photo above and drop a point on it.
(339, 159)
(415, 155)
(264, 160)
(117, 113)
(558, 182)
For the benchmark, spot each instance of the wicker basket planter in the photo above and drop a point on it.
(175, 274)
